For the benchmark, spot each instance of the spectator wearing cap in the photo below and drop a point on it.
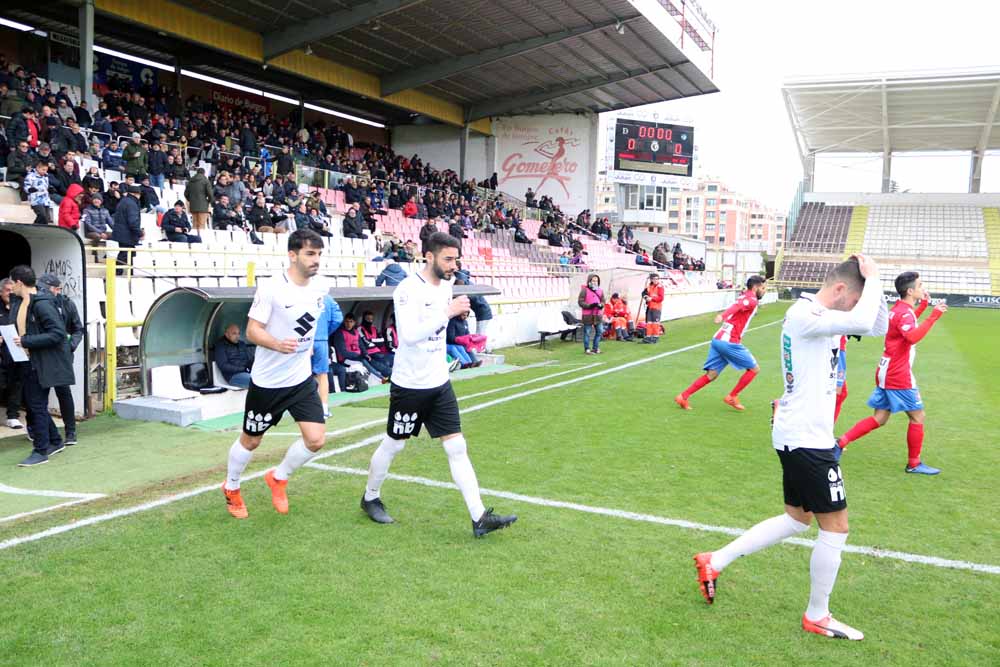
(40, 332)
(96, 220)
(198, 193)
(127, 225)
(74, 335)
(176, 225)
(136, 157)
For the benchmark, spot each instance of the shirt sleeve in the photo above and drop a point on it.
(260, 310)
(881, 327)
(819, 322)
(413, 323)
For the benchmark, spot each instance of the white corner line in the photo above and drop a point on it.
(874, 552)
(48, 494)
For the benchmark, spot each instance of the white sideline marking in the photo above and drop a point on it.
(41, 510)
(166, 500)
(49, 494)
(677, 523)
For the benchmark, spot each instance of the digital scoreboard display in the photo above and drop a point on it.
(656, 148)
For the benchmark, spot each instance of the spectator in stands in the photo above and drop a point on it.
(391, 275)
(223, 216)
(23, 126)
(96, 220)
(78, 140)
(198, 193)
(430, 227)
(529, 199)
(660, 256)
(176, 226)
(112, 197)
(234, 357)
(258, 217)
(69, 208)
(410, 208)
(61, 178)
(346, 343)
(625, 236)
(82, 114)
(111, 158)
(395, 199)
(10, 102)
(280, 220)
(149, 200)
(175, 171)
(44, 154)
(127, 225)
(136, 157)
(19, 162)
(93, 178)
(10, 371)
(284, 162)
(36, 183)
(455, 229)
(591, 301)
(157, 165)
(353, 226)
(43, 335)
(480, 307)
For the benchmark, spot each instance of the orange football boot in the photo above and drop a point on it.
(734, 403)
(278, 496)
(681, 401)
(234, 503)
(707, 576)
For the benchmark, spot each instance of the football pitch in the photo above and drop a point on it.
(615, 488)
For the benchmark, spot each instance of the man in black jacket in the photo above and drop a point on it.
(127, 229)
(176, 226)
(74, 333)
(42, 334)
(353, 225)
(234, 357)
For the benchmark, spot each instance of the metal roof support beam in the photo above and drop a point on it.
(976, 170)
(315, 30)
(509, 104)
(421, 76)
(886, 148)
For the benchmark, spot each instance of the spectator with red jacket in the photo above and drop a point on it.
(69, 208)
(653, 296)
(410, 208)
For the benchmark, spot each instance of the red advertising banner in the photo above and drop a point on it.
(228, 98)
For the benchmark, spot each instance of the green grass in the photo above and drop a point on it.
(186, 585)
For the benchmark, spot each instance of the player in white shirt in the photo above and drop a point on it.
(420, 393)
(282, 324)
(848, 303)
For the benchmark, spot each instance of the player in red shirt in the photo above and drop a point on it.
(895, 386)
(726, 348)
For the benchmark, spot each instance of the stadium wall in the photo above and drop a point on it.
(902, 199)
(439, 145)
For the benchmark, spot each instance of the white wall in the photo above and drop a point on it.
(439, 145)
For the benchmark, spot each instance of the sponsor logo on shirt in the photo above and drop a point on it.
(403, 424)
(257, 423)
(305, 324)
(786, 355)
(836, 479)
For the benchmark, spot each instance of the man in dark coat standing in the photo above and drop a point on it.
(198, 192)
(41, 333)
(74, 333)
(127, 229)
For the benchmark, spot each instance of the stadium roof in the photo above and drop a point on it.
(457, 62)
(920, 111)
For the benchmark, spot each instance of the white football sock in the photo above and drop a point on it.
(239, 458)
(764, 534)
(296, 457)
(464, 475)
(823, 568)
(379, 466)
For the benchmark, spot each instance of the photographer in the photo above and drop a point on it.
(591, 301)
(43, 336)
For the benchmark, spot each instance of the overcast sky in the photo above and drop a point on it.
(743, 133)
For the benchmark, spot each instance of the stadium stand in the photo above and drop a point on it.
(821, 228)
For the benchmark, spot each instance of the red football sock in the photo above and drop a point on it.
(840, 401)
(914, 443)
(744, 380)
(695, 386)
(861, 429)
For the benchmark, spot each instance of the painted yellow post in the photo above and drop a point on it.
(361, 274)
(110, 336)
(251, 274)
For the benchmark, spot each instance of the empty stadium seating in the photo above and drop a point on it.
(820, 228)
(926, 232)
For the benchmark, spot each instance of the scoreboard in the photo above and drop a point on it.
(656, 148)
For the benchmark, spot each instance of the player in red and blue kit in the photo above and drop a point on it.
(895, 386)
(726, 347)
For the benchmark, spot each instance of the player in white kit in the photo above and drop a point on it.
(848, 303)
(282, 324)
(420, 393)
